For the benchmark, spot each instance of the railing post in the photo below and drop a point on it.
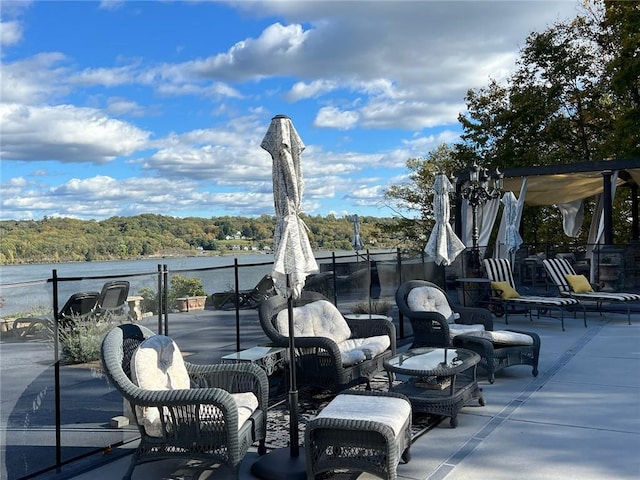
(165, 300)
(237, 280)
(370, 280)
(160, 299)
(399, 275)
(335, 279)
(56, 371)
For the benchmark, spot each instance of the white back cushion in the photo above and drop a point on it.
(157, 364)
(430, 299)
(316, 319)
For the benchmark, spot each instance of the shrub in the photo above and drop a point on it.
(81, 343)
(149, 299)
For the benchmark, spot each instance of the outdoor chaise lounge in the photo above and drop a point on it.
(211, 413)
(505, 294)
(81, 307)
(332, 352)
(436, 322)
(245, 298)
(571, 285)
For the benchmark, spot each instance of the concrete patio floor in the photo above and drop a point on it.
(580, 418)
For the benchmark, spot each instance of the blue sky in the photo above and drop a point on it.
(125, 107)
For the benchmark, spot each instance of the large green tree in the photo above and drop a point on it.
(573, 97)
(412, 199)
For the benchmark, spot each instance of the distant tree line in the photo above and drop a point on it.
(52, 240)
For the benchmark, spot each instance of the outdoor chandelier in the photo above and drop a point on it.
(481, 187)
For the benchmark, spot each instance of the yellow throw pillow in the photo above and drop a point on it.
(579, 283)
(505, 290)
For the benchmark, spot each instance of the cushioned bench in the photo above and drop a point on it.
(360, 432)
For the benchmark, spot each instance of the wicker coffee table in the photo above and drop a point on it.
(439, 381)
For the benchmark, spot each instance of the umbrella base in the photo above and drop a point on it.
(280, 465)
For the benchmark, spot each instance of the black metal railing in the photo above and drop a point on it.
(57, 413)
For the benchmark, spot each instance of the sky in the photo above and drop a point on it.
(119, 108)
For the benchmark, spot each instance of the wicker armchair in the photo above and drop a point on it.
(319, 361)
(432, 328)
(497, 349)
(186, 431)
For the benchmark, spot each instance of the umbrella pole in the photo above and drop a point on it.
(283, 463)
(293, 387)
(370, 282)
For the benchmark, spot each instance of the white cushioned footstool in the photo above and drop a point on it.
(502, 348)
(360, 431)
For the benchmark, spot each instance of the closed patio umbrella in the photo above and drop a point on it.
(357, 240)
(443, 245)
(293, 261)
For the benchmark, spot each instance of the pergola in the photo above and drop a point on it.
(558, 184)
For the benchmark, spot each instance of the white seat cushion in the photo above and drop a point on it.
(246, 402)
(316, 319)
(505, 337)
(460, 329)
(389, 411)
(356, 350)
(157, 364)
(431, 299)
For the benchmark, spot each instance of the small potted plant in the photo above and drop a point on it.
(187, 293)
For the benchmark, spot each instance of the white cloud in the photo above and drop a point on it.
(111, 4)
(334, 118)
(35, 79)
(10, 33)
(66, 134)
(269, 54)
(302, 90)
(369, 80)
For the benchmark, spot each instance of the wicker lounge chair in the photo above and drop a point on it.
(332, 352)
(216, 413)
(504, 294)
(436, 326)
(464, 327)
(571, 285)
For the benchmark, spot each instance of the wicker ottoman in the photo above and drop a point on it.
(360, 432)
(502, 349)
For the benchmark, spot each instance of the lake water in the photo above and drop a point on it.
(24, 288)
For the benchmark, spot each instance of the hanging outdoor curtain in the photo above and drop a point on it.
(502, 249)
(487, 214)
(572, 217)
